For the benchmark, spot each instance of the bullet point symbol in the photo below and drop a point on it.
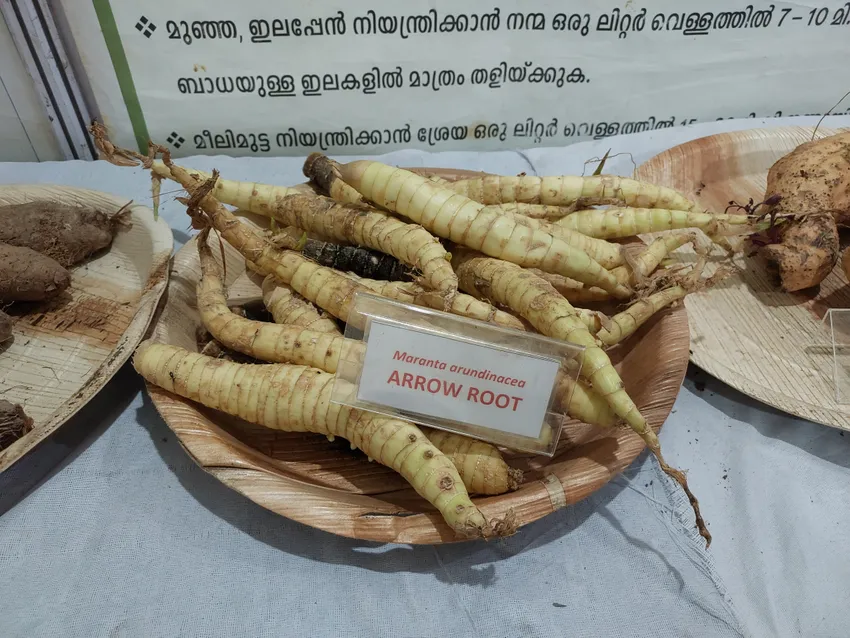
(176, 140)
(145, 26)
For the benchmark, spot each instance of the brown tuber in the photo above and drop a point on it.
(14, 423)
(68, 234)
(26, 275)
(806, 253)
(813, 178)
(808, 194)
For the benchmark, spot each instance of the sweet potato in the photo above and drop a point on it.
(25, 275)
(14, 423)
(806, 253)
(808, 193)
(68, 234)
(6, 324)
(813, 178)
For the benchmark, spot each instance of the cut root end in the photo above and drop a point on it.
(515, 479)
(504, 527)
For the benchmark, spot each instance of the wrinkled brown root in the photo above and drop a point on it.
(108, 151)
(688, 277)
(156, 187)
(679, 477)
(200, 218)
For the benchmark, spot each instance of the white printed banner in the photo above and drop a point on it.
(257, 77)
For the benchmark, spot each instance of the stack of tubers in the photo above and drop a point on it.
(497, 249)
(39, 242)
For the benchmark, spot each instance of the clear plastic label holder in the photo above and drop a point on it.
(436, 369)
(836, 323)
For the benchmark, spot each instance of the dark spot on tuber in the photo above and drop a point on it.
(429, 454)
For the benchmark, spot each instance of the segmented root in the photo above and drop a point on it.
(626, 323)
(578, 400)
(362, 226)
(479, 464)
(463, 221)
(613, 223)
(461, 304)
(536, 211)
(396, 443)
(652, 298)
(288, 307)
(608, 255)
(634, 273)
(259, 339)
(566, 190)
